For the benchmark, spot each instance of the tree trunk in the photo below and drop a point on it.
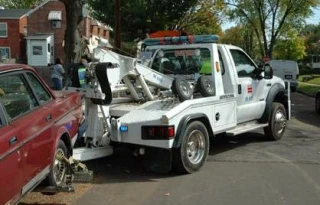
(72, 38)
(117, 39)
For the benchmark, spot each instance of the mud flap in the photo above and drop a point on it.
(158, 160)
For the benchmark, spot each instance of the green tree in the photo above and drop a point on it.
(269, 17)
(18, 4)
(290, 46)
(243, 37)
(145, 15)
(204, 18)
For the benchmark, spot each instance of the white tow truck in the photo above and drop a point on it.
(171, 101)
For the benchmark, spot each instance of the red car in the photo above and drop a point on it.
(36, 125)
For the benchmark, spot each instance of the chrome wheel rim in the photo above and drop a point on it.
(184, 88)
(195, 147)
(209, 86)
(280, 121)
(59, 167)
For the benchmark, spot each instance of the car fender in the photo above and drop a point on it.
(273, 92)
(185, 121)
(63, 134)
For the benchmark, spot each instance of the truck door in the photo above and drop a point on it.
(251, 92)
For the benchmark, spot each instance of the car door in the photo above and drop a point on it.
(251, 91)
(37, 150)
(33, 124)
(10, 156)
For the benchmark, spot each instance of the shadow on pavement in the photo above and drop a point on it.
(303, 109)
(123, 167)
(223, 143)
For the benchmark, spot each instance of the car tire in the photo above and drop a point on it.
(205, 86)
(58, 170)
(277, 122)
(317, 106)
(293, 89)
(194, 148)
(181, 88)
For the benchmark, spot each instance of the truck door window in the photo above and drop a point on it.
(41, 93)
(183, 61)
(17, 96)
(243, 63)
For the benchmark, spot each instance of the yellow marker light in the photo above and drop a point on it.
(217, 67)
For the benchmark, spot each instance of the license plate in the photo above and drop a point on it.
(288, 76)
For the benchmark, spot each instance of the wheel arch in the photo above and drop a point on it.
(276, 94)
(65, 138)
(187, 120)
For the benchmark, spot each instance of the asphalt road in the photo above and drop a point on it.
(242, 170)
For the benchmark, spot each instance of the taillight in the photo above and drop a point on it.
(157, 132)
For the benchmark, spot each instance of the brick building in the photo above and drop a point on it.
(47, 23)
(12, 32)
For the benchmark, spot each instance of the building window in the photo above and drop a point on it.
(37, 50)
(4, 53)
(3, 30)
(56, 24)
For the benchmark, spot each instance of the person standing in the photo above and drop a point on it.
(57, 74)
(79, 72)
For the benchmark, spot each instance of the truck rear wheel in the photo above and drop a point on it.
(194, 149)
(277, 122)
(318, 104)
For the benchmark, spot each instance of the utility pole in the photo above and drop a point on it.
(117, 38)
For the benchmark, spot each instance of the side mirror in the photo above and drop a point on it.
(268, 72)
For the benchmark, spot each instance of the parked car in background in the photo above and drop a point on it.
(36, 125)
(318, 102)
(287, 70)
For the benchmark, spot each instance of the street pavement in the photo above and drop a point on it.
(245, 169)
(242, 170)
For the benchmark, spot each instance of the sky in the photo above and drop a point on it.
(313, 19)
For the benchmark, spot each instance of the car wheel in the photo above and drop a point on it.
(277, 122)
(181, 88)
(194, 148)
(205, 86)
(59, 168)
(318, 104)
(293, 89)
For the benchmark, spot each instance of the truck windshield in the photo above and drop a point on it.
(182, 61)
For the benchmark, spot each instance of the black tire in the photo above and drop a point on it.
(293, 89)
(181, 88)
(317, 106)
(194, 149)
(58, 170)
(205, 86)
(277, 122)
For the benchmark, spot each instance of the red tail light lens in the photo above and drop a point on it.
(157, 132)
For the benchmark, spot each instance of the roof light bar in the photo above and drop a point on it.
(181, 40)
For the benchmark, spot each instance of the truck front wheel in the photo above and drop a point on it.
(277, 122)
(194, 149)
